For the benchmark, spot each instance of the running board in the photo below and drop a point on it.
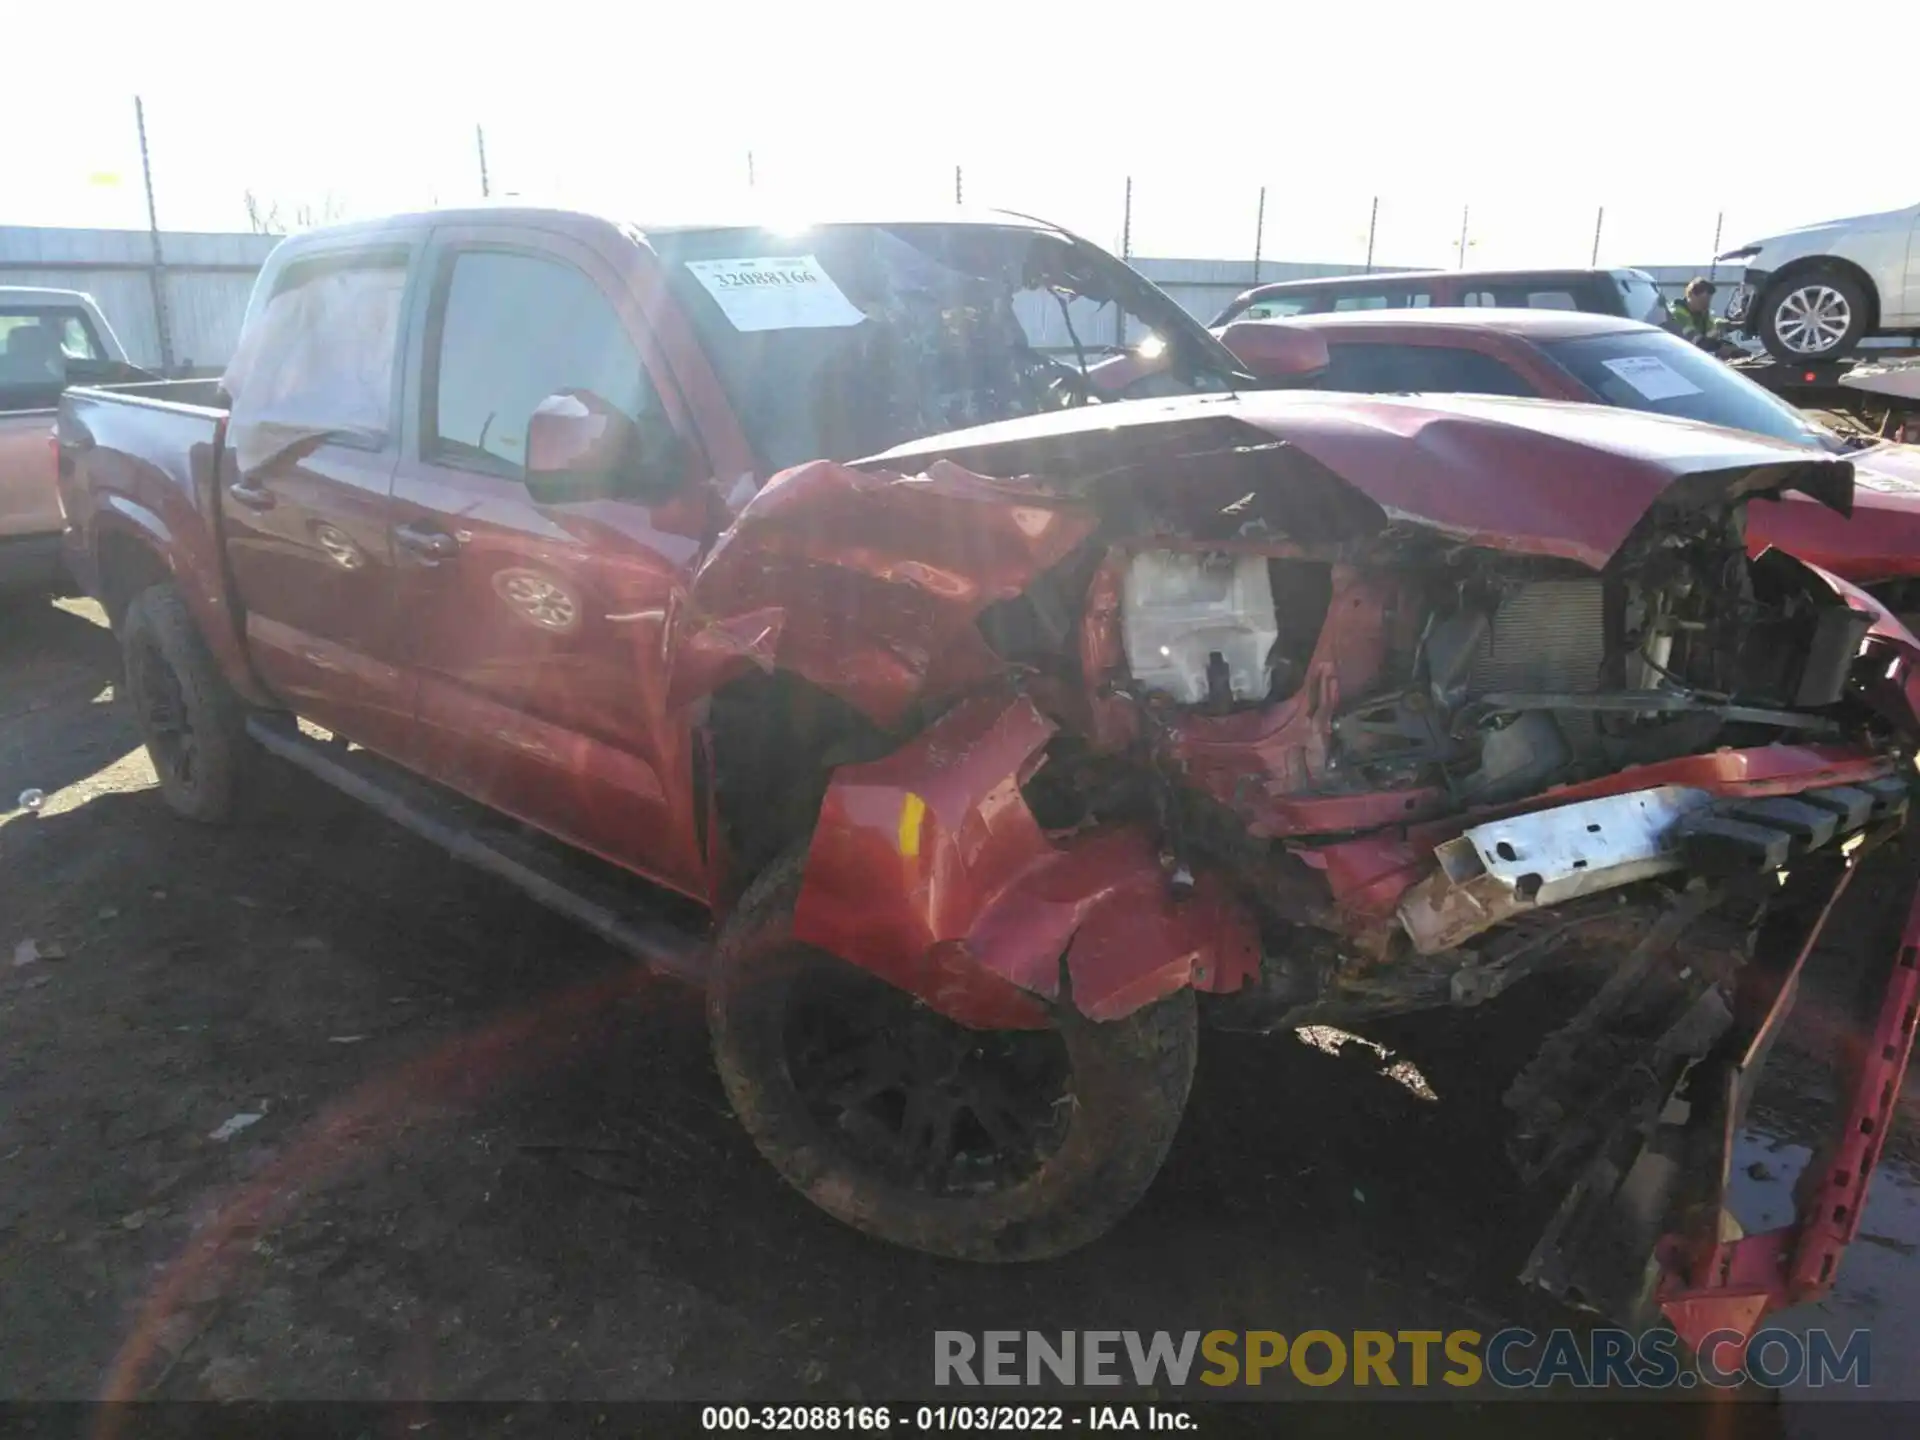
(539, 869)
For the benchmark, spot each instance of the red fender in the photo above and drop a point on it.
(928, 869)
(190, 556)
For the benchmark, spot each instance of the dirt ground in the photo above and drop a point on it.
(493, 1162)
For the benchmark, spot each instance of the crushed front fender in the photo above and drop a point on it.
(928, 868)
(867, 584)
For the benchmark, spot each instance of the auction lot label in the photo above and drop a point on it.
(939, 1419)
(775, 292)
(1511, 1419)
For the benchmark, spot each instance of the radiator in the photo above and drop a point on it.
(1550, 635)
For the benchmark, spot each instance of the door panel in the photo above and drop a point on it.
(307, 490)
(536, 633)
(308, 541)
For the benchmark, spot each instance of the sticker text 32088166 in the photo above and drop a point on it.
(776, 292)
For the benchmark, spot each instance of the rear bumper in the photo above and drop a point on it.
(31, 562)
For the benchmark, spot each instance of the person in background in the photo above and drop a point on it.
(1693, 320)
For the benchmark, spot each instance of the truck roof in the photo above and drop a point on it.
(41, 295)
(1384, 277)
(564, 219)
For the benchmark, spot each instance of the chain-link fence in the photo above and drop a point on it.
(210, 172)
(199, 170)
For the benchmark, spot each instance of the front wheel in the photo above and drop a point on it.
(976, 1145)
(1816, 315)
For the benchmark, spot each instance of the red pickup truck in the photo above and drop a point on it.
(1062, 721)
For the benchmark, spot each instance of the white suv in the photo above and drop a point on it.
(1816, 292)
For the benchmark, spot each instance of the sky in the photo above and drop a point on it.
(1541, 122)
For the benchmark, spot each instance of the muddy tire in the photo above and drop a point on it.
(193, 724)
(1037, 1144)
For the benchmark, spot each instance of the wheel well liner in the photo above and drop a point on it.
(128, 564)
(776, 739)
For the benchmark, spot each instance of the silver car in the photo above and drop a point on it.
(1816, 292)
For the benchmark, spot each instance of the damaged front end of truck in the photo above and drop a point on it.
(1331, 708)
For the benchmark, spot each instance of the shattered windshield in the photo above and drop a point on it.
(844, 340)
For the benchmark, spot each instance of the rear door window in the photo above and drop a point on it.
(37, 345)
(1417, 369)
(318, 361)
(1391, 297)
(1320, 302)
(1279, 307)
(1594, 299)
(1640, 299)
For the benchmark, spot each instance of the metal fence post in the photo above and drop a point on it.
(1259, 232)
(1461, 264)
(1598, 220)
(956, 186)
(1373, 222)
(157, 274)
(1713, 266)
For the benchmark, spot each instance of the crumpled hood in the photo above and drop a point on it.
(1882, 540)
(1888, 470)
(1537, 477)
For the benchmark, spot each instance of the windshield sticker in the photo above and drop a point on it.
(1652, 377)
(782, 292)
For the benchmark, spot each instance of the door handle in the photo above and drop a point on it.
(429, 544)
(252, 496)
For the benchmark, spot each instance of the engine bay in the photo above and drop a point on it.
(1482, 675)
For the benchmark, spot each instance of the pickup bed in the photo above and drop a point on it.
(1079, 711)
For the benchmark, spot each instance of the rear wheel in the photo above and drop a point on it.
(978, 1145)
(1814, 315)
(193, 724)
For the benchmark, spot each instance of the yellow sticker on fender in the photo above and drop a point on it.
(913, 810)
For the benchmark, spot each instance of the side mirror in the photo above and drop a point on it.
(580, 448)
(1275, 350)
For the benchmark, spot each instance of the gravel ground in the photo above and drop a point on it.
(488, 1160)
